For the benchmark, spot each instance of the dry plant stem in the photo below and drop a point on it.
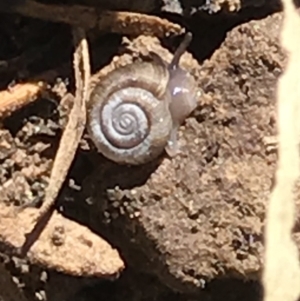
(90, 18)
(75, 126)
(136, 24)
(82, 67)
(281, 277)
(18, 96)
(22, 94)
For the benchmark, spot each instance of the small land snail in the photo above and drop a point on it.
(135, 111)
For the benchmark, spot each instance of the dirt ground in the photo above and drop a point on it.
(180, 240)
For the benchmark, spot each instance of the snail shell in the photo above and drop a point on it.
(135, 111)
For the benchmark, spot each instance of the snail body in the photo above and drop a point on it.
(135, 111)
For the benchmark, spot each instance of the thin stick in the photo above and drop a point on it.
(19, 96)
(90, 18)
(76, 124)
(22, 94)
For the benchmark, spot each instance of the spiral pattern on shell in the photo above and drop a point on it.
(125, 123)
(128, 113)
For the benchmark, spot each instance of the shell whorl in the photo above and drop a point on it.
(128, 113)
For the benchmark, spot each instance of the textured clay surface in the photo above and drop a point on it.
(200, 215)
(185, 221)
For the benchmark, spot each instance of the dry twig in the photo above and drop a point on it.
(22, 94)
(76, 124)
(19, 96)
(281, 276)
(89, 18)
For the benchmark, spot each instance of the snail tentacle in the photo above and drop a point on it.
(182, 87)
(181, 50)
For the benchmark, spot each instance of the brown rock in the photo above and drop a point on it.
(64, 245)
(200, 215)
(188, 220)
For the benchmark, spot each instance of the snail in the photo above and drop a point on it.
(134, 113)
